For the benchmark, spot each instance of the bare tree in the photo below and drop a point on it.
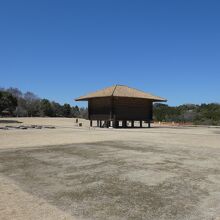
(15, 92)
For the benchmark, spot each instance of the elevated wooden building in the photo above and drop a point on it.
(120, 104)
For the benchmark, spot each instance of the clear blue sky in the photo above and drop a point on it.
(64, 49)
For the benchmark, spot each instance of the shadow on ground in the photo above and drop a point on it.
(115, 180)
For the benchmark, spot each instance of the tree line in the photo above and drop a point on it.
(13, 102)
(204, 114)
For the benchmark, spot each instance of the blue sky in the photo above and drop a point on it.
(64, 49)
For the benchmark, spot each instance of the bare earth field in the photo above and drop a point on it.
(73, 172)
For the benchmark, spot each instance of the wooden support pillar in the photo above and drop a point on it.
(140, 124)
(108, 124)
(132, 124)
(115, 124)
(105, 124)
(124, 124)
(90, 123)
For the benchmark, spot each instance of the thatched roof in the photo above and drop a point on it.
(121, 91)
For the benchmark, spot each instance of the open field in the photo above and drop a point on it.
(75, 172)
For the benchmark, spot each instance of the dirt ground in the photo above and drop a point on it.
(73, 172)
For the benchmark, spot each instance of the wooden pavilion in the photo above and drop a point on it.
(120, 104)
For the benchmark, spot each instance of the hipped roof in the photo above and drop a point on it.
(120, 91)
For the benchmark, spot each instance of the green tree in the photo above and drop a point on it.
(66, 110)
(46, 108)
(7, 102)
(75, 111)
(57, 109)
